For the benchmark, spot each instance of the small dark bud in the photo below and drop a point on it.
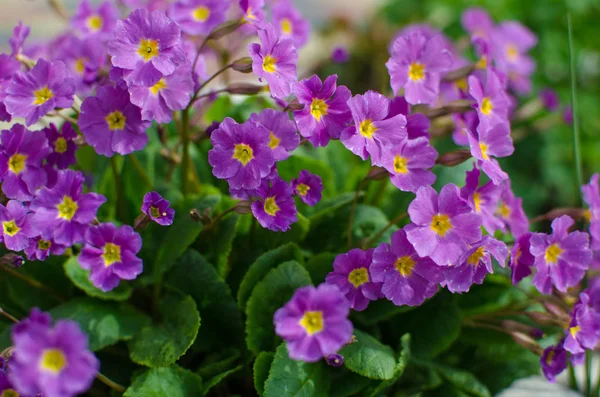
(377, 173)
(243, 65)
(141, 222)
(335, 360)
(511, 325)
(243, 207)
(224, 29)
(244, 88)
(212, 128)
(7, 353)
(294, 105)
(12, 259)
(456, 157)
(195, 215)
(460, 73)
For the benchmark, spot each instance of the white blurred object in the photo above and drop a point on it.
(537, 386)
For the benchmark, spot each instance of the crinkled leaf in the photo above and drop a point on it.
(166, 381)
(379, 387)
(462, 380)
(369, 357)
(215, 380)
(81, 278)
(219, 362)
(261, 368)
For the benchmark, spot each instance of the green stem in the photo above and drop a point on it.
(140, 170)
(185, 159)
(32, 282)
(353, 210)
(380, 233)
(597, 388)
(379, 193)
(588, 373)
(9, 316)
(572, 378)
(211, 78)
(112, 384)
(218, 218)
(119, 187)
(576, 135)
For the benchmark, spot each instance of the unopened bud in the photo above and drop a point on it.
(558, 311)
(7, 353)
(456, 157)
(377, 173)
(335, 360)
(527, 342)
(542, 318)
(224, 29)
(244, 88)
(243, 207)
(243, 65)
(459, 74)
(458, 106)
(195, 215)
(12, 259)
(533, 332)
(294, 105)
(141, 222)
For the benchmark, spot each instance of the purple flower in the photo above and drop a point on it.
(417, 124)
(51, 360)
(583, 331)
(172, 92)
(148, 45)
(8, 67)
(510, 211)
(33, 94)
(474, 264)
(6, 387)
(407, 278)
(112, 124)
(198, 17)
(274, 60)
(325, 113)
(482, 200)
(16, 229)
(351, 275)
(591, 195)
(485, 145)
(553, 361)
(84, 58)
(20, 34)
(283, 138)
(409, 163)
(478, 23)
(99, 22)
(340, 54)
(253, 12)
(241, 154)
(63, 213)
(549, 99)
(567, 115)
(62, 145)
(372, 132)
(309, 187)
(109, 253)
(40, 249)
(521, 260)
(492, 103)
(335, 360)
(464, 122)
(416, 64)
(445, 225)
(561, 258)
(290, 22)
(158, 209)
(275, 209)
(314, 323)
(21, 155)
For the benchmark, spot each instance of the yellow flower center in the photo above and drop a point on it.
(477, 201)
(243, 153)
(155, 212)
(116, 121)
(550, 357)
(367, 129)
(587, 215)
(112, 254)
(60, 146)
(67, 208)
(273, 140)
(148, 49)
(286, 26)
(80, 65)
(552, 253)
(574, 331)
(484, 148)
(95, 22)
(302, 189)
(482, 63)
(269, 64)
(400, 164)
(462, 84)
(503, 210)
(53, 360)
(10, 227)
(44, 244)
(42, 95)
(249, 14)
(271, 206)
(16, 162)
(416, 71)
(476, 256)
(358, 277)
(405, 265)
(318, 108)
(158, 86)
(486, 106)
(9, 393)
(511, 52)
(312, 321)
(201, 14)
(440, 223)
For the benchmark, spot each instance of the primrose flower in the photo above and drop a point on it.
(51, 360)
(241, 154)
(21, 155)
(583, 332)
(147, 46)
(478, 23)
(309, 187)
(253, 12)
(417, 124)
(485, 145)
(6, 387)
(409, 163)
(416, 64)
(33, 94)
(372, 131)
(84, 58)
(275, 209)
(325, 113)
(283, 139)
(553, 361)
(111, 123)
(591, 195)
(198, 17)
(510, 43)
(274, 60)
(158, 209)
(314, 323)
(110, 254)
(521, 260)
(492, 103)
(8, 67)
(99, 23)
(63, 213)
(290, 22)
(351, 275)
(16, 229)
(16, 41)
(39, 249)
(561, 258)
(445, 225)
(482, 200)
(62, 145)
(407, 278)
(510, 211)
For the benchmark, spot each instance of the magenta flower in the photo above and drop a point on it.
(407, 278)
(110, 254)
(561, 258)
(99, 23)
(416, 64)
(510, 43)
(591, 195)
(62, 145)
(275, 209)
(51, 360)
(492, 102)
(274, 60)
(521, 260)
(283, 139)
(290, 23)
(340, 55)
(198, 17)
(158, 209)
(478, 23)
(583, 332)
(314, 323)
(241, 154)
(409, 163)
(445, 225)
(148, 45)
(510, 211)
(8, 67)
(33, 94)
(16, 41)
(21, 155)
(372, 131)
(112, 124)
(309, 187)
(417, 124)
(16, 229)
(63, 213)
(487, 145)
(40, 249)
(549, 99)
(482, 200)
(553, 361)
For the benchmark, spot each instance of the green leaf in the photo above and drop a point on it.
(215, 380)
(166, 381)
(261, 367)
(328, 207)
(81, 278)
(268, 296)
(368, 221)
(261, 266)
(378, 388)
(319, 266)
(217, 363)
(462, 380)
(370, 358)
(291, 378)
(159, 345)
(222, 324)
(291, 167)
(380, 310)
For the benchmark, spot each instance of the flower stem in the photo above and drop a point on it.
(8, 316)
(119, 188)
(588, 373)
(185, 159)
(572, 378)
(380, 233)
(576, 136)
(211, 78)
(218, 218)
(140, 170)
(113, 385)
(360, 187)
(59, 8)
(597, 388)
(32, 282)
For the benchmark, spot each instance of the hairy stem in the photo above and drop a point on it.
(32, 282)
(380, 233)
(112, 384)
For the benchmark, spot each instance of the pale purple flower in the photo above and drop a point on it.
(510, 43)
(417, 124)
(275, 209)
(158, 209)
(478, 23)
(99, 22)
(283, 138)
(290, 23)
(16, 41)
(40, 249)
(309, 187)
(521, 260)
(8, 67)
(510, 211)
(16, 229)
(487, 145)
(492, 103)
(198, 17)
(253, 11)
(483, 200)
(62, 145)
(84, 58)
(583, 331)
(409, 163)
(591, 195)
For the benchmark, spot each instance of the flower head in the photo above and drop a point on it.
(492, 102)
(275, 209)
(521, 260)
(486, 145)
(510, 211)
(309, 187)
(417, 124)
(253, 11)
(409, 163)
(290, 23)
(16, 41)
(158, 209)
(99, 23)
(549, 99)
(483, 200)
(283, 139)
(8, 67)
(591, 195)
(553, 361)
(62, 145)
(16, 229)
(39, 248)
(583, 332)
(314, 323)
(478, 23)
(198, 17)
(510, 43)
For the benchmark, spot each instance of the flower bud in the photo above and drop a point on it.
(377, 173)
(243, 65)
(527, 342)
(543, 318)
(533, 332)
(243, 207)
(294, 105)
(558, 311)
(224, 29)
(244, 88)
(141, 222)
(195, 215)
(12, 259)
(335, 360)
(456, 157)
